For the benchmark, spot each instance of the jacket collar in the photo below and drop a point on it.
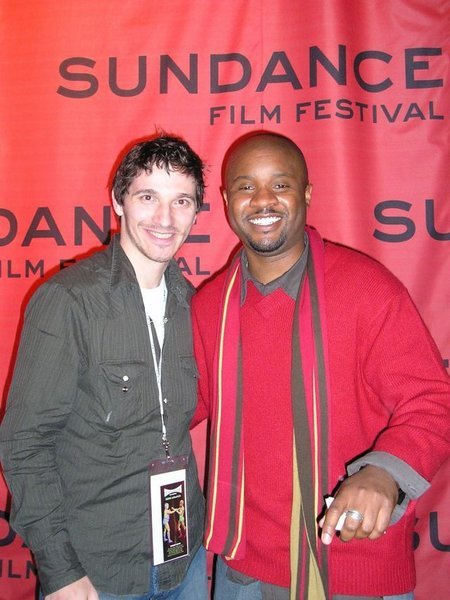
(122, 273)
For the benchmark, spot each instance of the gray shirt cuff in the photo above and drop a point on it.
(57, 564)
(408, 480)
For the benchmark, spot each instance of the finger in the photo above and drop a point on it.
(381, 524)
(330, 521)
(353, 524)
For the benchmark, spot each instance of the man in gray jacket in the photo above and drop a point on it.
(95, 441)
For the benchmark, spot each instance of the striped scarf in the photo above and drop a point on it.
(225, 526)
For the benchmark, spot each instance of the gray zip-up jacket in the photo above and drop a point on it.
(76, 442)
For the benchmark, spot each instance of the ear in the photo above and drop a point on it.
(118, 208)
(308, 193)
(225, 197)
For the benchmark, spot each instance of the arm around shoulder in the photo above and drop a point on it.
(202, 411)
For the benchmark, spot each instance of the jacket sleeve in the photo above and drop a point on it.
(40, 399)
(403, 367)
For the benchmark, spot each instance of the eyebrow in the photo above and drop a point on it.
(144, 191)
(156, 193)
(280, 174)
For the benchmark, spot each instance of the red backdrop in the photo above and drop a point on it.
(361, 85)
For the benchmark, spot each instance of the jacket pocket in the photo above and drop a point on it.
(186, 398)
(120, 390)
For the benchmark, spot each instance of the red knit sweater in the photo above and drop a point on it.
(266, 330)
(384, 370)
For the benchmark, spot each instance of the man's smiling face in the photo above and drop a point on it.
(267, 192)
(156, 216)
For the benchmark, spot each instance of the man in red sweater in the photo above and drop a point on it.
(320, 381)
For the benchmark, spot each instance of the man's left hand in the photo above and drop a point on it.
(369, 497)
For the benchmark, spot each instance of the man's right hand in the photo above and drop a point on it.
(82, 589)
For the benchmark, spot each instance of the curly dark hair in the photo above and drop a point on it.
(164, 152)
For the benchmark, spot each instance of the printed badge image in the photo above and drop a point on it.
(174, 520)
(168, 508)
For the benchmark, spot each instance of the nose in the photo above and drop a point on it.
(264, 197)
(163, 214)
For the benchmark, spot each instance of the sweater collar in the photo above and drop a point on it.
(289, 281)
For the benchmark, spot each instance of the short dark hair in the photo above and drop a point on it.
(164, 152)
(263, 135)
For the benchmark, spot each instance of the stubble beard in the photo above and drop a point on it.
(267, 246)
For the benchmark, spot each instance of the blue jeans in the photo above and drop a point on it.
(193, 587)
(226, 589)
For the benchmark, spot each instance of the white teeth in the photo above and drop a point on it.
(264, 220)
(161, 235)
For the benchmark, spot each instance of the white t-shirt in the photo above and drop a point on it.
(155, 307)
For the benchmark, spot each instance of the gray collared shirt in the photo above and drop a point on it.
(83, 422)
(288, 281)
